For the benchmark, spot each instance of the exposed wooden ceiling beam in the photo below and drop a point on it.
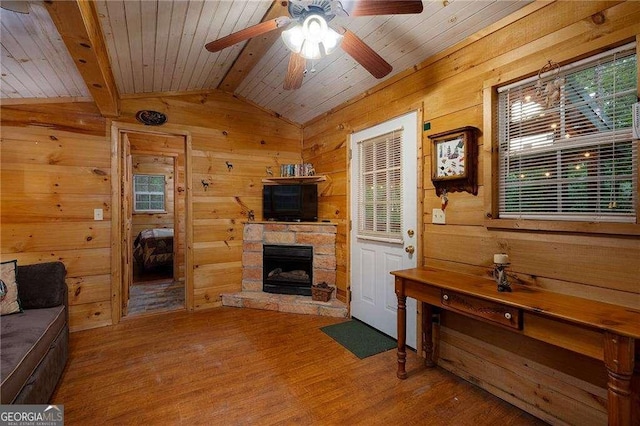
(77, 22)
(254, 50)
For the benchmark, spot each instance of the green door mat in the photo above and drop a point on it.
(362, 340)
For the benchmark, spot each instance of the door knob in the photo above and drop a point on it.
(410, 249)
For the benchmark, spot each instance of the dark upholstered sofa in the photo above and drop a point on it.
(34, 344)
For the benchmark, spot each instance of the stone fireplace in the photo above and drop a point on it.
(321, 237)
(314, 239)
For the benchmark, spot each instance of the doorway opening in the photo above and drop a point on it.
(156, 284)
(153, 217)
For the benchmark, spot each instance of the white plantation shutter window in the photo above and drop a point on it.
(575, 158)
(380, 188)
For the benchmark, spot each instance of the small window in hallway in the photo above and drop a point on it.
(148, 191)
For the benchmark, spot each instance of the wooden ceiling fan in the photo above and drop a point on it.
(309, 36)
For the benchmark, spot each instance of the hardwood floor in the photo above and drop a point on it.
(232, 366)
(156, 296)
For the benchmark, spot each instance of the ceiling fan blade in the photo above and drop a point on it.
(381, 7)
(295, 72)
(15, 6)
(365, 55)
(247, 33)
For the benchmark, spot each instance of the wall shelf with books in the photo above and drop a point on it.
(294, 179)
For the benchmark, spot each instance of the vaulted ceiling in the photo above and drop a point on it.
(157, 47)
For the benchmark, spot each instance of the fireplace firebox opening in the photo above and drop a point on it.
(287, 269)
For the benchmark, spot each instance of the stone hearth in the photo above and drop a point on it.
(285, 303)
(321, 236)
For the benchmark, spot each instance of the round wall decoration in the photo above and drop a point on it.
(151, 118)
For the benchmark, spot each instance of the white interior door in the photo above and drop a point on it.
(383, 173)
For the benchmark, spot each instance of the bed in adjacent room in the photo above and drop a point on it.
(153, 248)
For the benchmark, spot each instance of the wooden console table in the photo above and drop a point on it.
(607, 332)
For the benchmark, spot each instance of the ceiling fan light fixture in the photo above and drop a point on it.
(314, 28)
(332, 39)
(310, 50)
(312, 39)
(293, 38)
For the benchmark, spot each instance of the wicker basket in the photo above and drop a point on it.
(321, 294)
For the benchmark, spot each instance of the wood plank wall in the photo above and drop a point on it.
(552, 384)
(233, 143)
(56, 170)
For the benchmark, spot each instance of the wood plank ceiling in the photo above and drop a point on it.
(35, 61)
(158, 47)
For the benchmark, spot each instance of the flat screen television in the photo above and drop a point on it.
(290, 203)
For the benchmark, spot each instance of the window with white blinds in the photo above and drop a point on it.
(565, 142)
(380, 187)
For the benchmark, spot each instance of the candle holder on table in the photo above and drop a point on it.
(501, 262)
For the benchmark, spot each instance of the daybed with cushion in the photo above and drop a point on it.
(34, 343)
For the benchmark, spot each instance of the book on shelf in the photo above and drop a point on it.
(297, 170)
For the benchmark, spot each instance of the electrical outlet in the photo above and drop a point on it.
(98, 214)
(438, 217)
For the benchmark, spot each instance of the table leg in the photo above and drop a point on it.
(619, 360)
(402, 336)
(427, 334)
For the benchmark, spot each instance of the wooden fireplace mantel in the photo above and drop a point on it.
(603, 331)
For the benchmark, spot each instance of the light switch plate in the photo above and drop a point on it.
(98, 214)
(438, 217)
